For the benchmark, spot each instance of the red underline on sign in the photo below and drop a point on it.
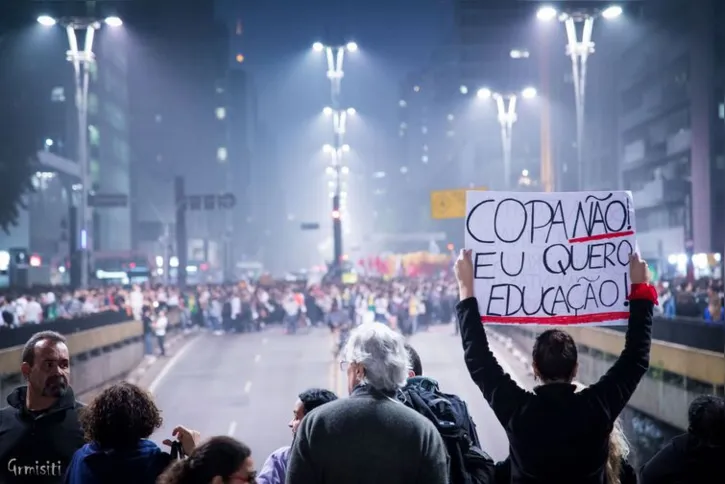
(591, 238)
(558, 320)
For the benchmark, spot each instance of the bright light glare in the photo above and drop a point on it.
(612, 12)
(546, 13)
(46, 21)
(345, 170)
(346, 148)
(529, 93)
(484, 93)
(351, 111)
(318, 47)
(114, 21)
(464, 90)
(519, 54)
(327, 148)
(327, 111)
(351, 47)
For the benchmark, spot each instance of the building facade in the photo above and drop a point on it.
(671, 131)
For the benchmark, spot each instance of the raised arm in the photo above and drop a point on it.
(616, 387)
(498, 388)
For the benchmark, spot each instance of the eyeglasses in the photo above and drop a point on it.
(344, 365)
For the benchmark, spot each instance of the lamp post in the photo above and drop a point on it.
(82, 59)
(507, 117)
(579, 51)
(335, 56)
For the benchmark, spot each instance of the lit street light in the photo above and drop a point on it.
(335, 56)
(519, 54)
(507, 117)
(82, 61)
(579, 52)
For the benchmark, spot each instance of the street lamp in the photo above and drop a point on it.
(579, 52)
(82, 61)
(335, 56)
(507, 117)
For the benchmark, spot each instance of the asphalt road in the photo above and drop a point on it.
(243, 385)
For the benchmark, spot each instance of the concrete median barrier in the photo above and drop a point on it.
(98, 355)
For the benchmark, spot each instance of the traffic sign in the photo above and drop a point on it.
(225, 201)
(448, 204)
(108, 200)
(310, 226)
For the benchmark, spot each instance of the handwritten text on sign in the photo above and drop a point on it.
(551, 258)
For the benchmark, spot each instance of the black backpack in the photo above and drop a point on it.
(467, 462)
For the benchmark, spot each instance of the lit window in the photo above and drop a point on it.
(94, 136)
(402, 103)
(221, 154)
(451, 117)
(221, 113)
(424, 159)
(416, 88)
(57, 95)
(239, 30)
(424, 130)
(240, 58)
(403, 170)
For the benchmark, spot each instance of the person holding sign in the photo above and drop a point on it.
(556, 434)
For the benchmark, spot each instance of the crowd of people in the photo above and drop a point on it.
(396, 426)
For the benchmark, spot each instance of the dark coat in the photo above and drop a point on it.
(503, 472)
(139, 465)
(367, 438)
(37, 448)
(556, 434)
(683, 461)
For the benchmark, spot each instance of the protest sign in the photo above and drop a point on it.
(551, 258)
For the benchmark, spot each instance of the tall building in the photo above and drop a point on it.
(671, 93)
(179, 59)
(108, 136)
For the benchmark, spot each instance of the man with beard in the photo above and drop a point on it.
(275, 467)
(40, 429)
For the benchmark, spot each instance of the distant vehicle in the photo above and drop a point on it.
(124, 267)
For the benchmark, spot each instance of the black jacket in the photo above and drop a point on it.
(38, 448)
(556, 434)
(683, 461)
(503, 472)
(367, 438)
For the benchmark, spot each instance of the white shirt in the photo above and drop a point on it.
(33, 312)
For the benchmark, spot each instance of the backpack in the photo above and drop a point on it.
(467, 462)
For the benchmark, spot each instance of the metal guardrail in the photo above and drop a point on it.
(10, 338)
(690, 332)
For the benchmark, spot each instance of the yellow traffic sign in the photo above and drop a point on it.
(447, 204)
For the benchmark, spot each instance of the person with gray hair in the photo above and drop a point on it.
(369, 437)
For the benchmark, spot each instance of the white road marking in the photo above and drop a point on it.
(172, 362)
(257, 358)
(232, 429)
(247, 387)
(265, 341)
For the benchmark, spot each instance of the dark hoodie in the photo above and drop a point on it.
(140, 465)
(36, 447)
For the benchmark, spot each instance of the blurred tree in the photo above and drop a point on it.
(17, 143)
(17, 166)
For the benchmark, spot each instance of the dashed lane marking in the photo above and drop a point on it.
(257, 358)
(232, 429)
(247, 387)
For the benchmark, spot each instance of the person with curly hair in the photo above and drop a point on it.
(219, 460)
(117, 425)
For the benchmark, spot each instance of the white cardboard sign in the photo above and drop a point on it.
(551, 258)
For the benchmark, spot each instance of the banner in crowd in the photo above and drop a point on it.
(551, 258)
